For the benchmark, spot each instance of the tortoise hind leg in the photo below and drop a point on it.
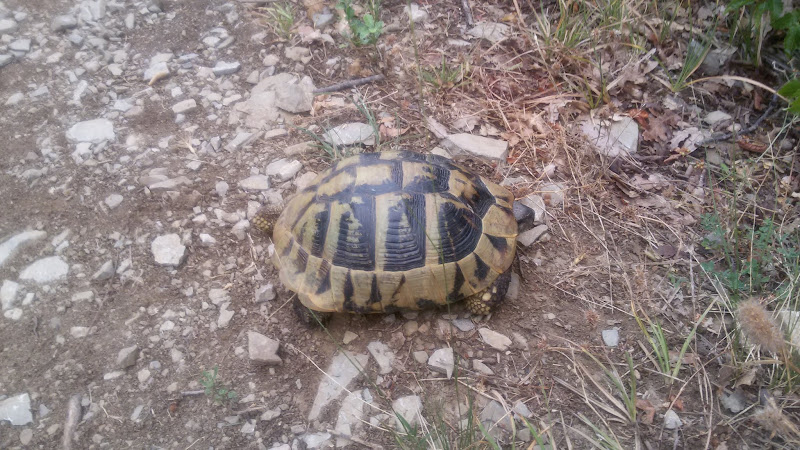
(309, 317)
(485, 302)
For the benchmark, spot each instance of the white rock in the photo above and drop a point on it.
(16, 409)
(13, 314)
(620, 138)
(442, 361)
(715, 117)
(7, 25)
(10, 247)
(127, 357)
(349, 134)
(226, 68)
(305, 180)
(416, 13)
(20, 46)
(168, 250)
(484, 147)
(383, 356)
(105, 272)
(255, 183)
(79, 332)
(92, 131)
(491, 31)
(225, 316)
(184, 106)
(410, 408)
(63, 22)
(45, 270)
(348, 420)
(241, 140)
(207, 240)
(671, 420)
(495, 339)
(15, 98)
(113, 200)
(338, 376)
(283, 169)
(157, 70)
(8, 294)
(262, 349)
(611, 337)
(143, 375)
(530, 237)
(482, 368)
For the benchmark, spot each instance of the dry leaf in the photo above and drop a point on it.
(747, 378)
(751, 145)
(389, 132)
(648, 408)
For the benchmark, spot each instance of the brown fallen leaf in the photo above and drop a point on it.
(391, 132)
(648, 408)
(747, 378)
(677, 403)
(751, 145)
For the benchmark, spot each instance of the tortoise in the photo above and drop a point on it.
(382, 232)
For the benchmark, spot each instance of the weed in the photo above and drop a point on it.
(695, 54)
(281, 19)
(791, 91)
(366, 29)
(218, 393)
(750, 28)
(444, 76)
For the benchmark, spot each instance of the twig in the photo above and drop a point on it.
(73, 417)
(747, 130)
(188, 393)
(467, 13)
(349, 83)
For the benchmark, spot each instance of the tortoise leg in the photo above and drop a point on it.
(487, 301)
(309, 317)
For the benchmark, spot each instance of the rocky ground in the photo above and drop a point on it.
(138, 139)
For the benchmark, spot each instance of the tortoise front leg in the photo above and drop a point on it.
(309, 317)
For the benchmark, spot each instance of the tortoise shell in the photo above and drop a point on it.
(379, 232)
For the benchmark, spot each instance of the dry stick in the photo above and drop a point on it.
(73, 417)
(746, 130)
(349, 84)
(467, 13)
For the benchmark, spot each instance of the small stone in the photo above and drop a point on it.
(305, 180)
(383, 356)
(184, 106)
(45, 270)
(127, 356)
(25, 436)
(553, 193)
(241, 140)
(410, 409)
(316, 440)
(63, 22)
(464, 324)
(491, 31)
(442, 361)
(221, 188)
(92, 131)
(343, 369)
(83, 296)
(113, 200)
(225, 316)
(495, 339)
(671, 420)
(715, 117)
(350, 134)
(611, 337)
(13, 314)
(15, 98)
(513, 287)
(137, 411)
(265, 293)
(494, 413)
(420, 356)
(299, 149)
(530, 237)
(482, 368)
(284, 169)
(255, 183)
(168, 250)
(349, 337)
(522, 409)
(16, 410)
(105, 272)
(415, 13)
(481, 146)
(8, 294)
(734, 402)
(262, 349)
(168, 325)
(157, 70)
(7, 25)
(20, 46)
(226, 68)
(5, 59)
(79, 332)
(143, 375)
(206, 240)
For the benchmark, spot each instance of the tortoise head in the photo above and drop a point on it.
(265, 219)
